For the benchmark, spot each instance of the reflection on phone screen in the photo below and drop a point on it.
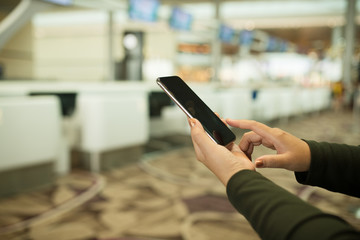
(185, 97)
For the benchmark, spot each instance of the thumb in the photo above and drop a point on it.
(271, 161)
(199, 135)
(202, 143)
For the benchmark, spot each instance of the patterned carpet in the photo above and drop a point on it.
(168, 195)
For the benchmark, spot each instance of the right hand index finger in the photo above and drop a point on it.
(259, 128)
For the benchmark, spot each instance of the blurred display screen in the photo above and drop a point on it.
(60, 2)
(276, 45)
(145, 10)
(180, 19)
(246, 37)
(226, 33)
(271, 45)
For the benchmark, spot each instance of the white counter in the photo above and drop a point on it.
(115, 115)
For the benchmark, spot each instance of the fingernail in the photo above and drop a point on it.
(192, 122)
(259, 163)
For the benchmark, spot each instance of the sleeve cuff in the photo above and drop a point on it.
(301, 177)
(305, 177)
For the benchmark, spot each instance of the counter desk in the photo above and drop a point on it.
(100, 118)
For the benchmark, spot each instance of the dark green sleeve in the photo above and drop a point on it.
(335, 167)
(276, 214)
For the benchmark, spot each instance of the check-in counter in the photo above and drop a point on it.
(112, 118)
(266, 104)
(236, 103)
(31, 143)
(101, 118)
(283, 102)
(314, 99)
(97, 118)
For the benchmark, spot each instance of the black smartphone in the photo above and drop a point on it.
(194, 107)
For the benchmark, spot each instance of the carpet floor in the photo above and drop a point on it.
(167, 195)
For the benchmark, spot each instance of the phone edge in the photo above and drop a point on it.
(158, 81)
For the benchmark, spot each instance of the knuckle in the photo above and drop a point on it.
(277, 132)
(247, 134)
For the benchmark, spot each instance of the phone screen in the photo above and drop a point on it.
(194, 107)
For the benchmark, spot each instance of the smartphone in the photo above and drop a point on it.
(194, 107)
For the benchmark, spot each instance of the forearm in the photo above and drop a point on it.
(277, 214)
(334, 167)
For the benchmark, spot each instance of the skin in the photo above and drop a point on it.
(292, 153)
(223, 162)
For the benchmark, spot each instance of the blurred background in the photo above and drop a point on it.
(82, 119)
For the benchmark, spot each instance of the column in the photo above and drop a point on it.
(350, 15)
(216, 46)
(110, 38)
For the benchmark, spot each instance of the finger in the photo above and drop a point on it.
(200, 139)
(249, 140)
(259, 128)
(199, 154)
(222, 119)
(233, 147)
(250, 151)
(237, 151)
(189, 122)
(272, 161)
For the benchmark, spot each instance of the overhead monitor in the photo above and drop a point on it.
(180, 19)
(246, 37)
(226, 33)
(144, 10)
(60, 2)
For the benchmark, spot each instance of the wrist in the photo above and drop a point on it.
(306, 157)
(227, 174)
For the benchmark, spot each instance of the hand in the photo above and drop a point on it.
(292, 153)
(223, 162)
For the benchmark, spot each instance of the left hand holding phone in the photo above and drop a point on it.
(224, 162)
